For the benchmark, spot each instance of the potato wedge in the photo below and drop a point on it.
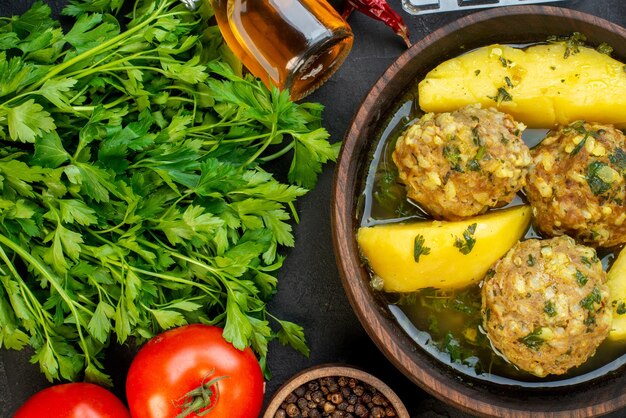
(418, 255)
(541, 86)
(617, 289)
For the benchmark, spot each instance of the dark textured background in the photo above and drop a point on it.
(310, 291)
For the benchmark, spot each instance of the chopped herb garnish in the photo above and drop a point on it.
(453, 155)
(577, 126)
(466, 303)
(481, 153)
(476, 72)
(490, 273)
(419, 249)
(508, 82)
(618, 158)
(502, 96)
(549, 308)
(605, 49)
(591, 299)
(475, 136)
(579, 146)
(452, 347)
(621, 308)
(473, 165)
(466, 244)
(590, 320)
(596, 178)
(531, 260)
(533, 340)
(581, 279)
(572, 43)
(505, 62)
(589, 261)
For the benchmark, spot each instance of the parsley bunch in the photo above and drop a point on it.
(132, 193)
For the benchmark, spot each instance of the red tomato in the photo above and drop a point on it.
(73, 400)
(178, 361)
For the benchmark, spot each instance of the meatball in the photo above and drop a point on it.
(456, 165)
(576, 184)
(545, 305)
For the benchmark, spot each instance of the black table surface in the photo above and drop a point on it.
(310, 291)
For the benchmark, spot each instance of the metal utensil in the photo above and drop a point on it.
(418, 7)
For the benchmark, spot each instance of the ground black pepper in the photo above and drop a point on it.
(336, 397)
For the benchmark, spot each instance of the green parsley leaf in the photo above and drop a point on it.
(549, 308)
(419, 248)
(581, 279)
(28, 121)
(534, 339)
(293, 335)
(598, 179)
(466, 244)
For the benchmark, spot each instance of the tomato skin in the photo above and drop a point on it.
(177, 361)
(73, 400)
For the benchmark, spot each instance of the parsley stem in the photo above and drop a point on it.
(278, 154)
(54, 282)
(266, 144)
(114, 42)
(27, 296)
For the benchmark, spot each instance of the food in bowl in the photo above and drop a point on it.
(447, 255)
(447, 322)
(459, 164)
(576, 184)
(543, 85)
(335, 391)
(545, 305)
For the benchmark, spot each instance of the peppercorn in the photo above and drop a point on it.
(333, 386)
(377, 412)
(390, 412)
(360, 410)
(335, 397)
(317, 397)
(329, 407)
(378, 399)
(292, 410)
(300, 391)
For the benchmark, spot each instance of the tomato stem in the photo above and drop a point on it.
(198, 400)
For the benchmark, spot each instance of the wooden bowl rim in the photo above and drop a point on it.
(333, 370)
(374, 317)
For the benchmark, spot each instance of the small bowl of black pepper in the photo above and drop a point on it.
(335, 391)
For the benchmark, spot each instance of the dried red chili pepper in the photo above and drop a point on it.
(380, 10)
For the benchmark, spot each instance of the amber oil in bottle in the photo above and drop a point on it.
(291, 44)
